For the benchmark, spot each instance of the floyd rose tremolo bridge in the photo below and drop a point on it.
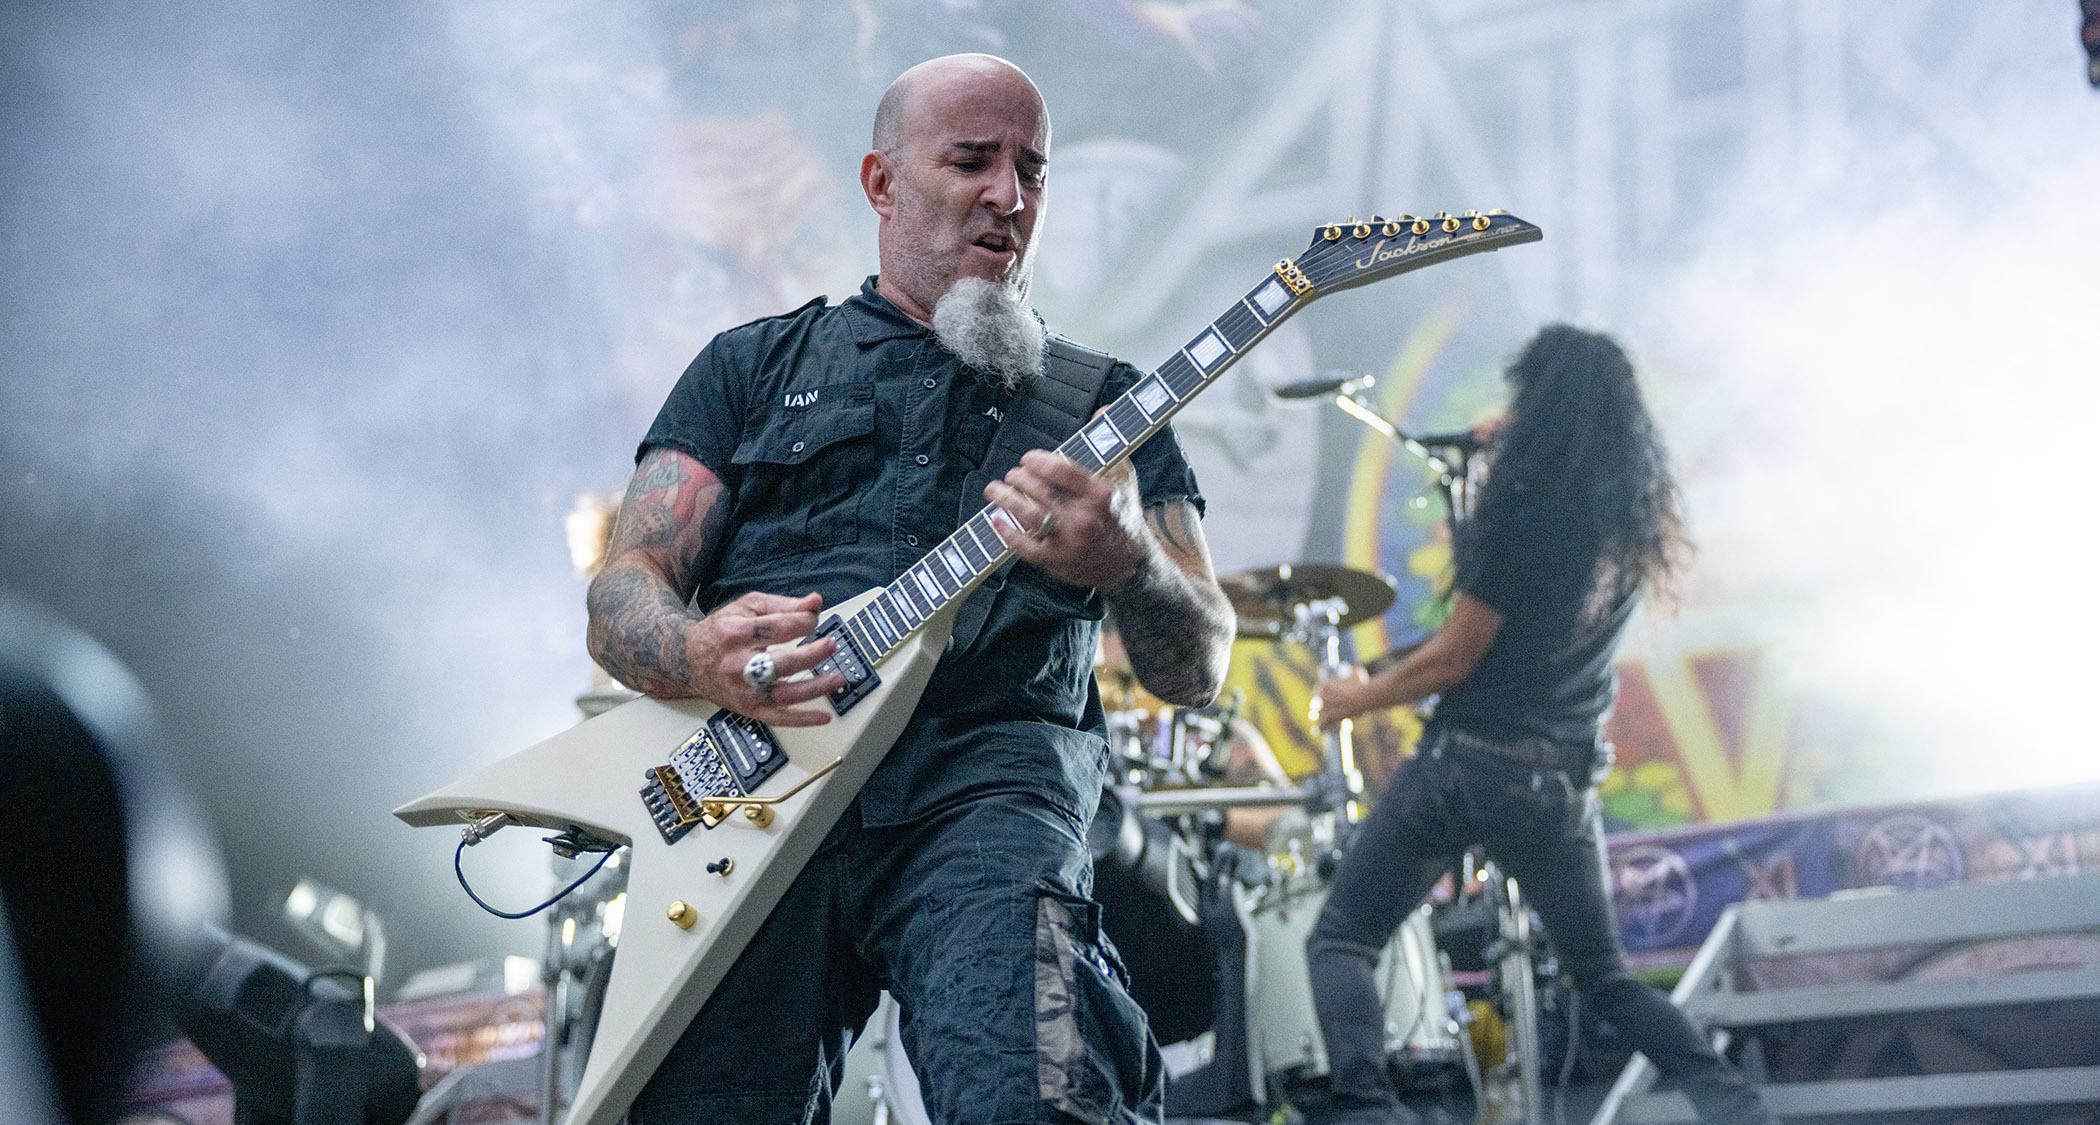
(716, 771)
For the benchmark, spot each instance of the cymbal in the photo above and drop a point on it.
(1264, 598)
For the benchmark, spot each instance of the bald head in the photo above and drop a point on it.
(957, 174)
(924, 83)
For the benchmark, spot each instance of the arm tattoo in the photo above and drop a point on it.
(1174, 621)
(1170, 523)
(639, 601)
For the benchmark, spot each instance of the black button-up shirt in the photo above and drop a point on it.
(842, 436)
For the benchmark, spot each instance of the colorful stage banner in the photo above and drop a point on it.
(1670, 887)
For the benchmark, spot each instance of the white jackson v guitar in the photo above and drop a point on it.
(721, 812)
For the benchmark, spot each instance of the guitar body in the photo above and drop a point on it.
(590, 777)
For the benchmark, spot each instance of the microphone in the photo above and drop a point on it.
(1460, 440)
(1310, 388)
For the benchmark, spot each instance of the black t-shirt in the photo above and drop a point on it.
(1548, 674)
(843, 436)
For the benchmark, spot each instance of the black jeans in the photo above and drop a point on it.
(1546, 830)
(1014, 1007)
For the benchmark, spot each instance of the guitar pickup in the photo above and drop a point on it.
(729, 757)
(849, 662)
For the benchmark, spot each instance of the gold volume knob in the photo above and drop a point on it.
(682, 915)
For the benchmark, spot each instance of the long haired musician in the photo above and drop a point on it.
(1577, 515)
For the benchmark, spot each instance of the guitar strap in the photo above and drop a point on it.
(1048, 409)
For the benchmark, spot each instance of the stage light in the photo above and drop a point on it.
(520, 974)
(302, 902)
(338, 925)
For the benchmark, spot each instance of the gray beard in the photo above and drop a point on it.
(991, 331)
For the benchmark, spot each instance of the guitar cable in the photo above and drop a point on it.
(459, 869)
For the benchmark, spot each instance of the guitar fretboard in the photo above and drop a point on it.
(956, 566)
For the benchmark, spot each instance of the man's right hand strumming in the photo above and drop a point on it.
(732, 665)
(644, 634)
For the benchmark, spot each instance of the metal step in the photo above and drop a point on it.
(1750, 932)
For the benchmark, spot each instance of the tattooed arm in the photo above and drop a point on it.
(1153, 567)
(1174, 620)
(641, 629)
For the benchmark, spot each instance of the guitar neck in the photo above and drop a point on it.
(955, 567)
(1340, 256)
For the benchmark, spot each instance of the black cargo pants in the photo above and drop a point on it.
(977, 919)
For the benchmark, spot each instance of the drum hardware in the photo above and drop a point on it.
(1171, 747)
(1310, 604)
(1517, 982)
(1203, 738)
(1175, 802)
(1493, 954)
(582, 931)
(1460, 1014)
(1264, 599)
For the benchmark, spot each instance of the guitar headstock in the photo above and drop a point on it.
(1360, 251)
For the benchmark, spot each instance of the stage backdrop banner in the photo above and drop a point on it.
(1670, 887)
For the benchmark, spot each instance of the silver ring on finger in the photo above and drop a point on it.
(1048, 525)
(760, 673)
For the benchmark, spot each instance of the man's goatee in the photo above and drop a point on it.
(990, 330)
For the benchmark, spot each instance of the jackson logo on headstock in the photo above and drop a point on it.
(1379, 253)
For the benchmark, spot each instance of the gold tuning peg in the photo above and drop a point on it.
(1499, 211)
(1363, 230)
(1480, 222)
(1391, 228)
(1450, 224)
(1331, 233)
(1421, 226)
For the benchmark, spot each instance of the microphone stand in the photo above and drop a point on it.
(1451, 473)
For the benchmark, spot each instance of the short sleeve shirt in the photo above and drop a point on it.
(843, 436)
(1548, 674)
